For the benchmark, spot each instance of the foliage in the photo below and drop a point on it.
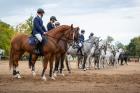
(25, 27)
(134, 47)
(110, 39)
(119, 45)
(6, 34)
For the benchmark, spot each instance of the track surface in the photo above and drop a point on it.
(123, 79)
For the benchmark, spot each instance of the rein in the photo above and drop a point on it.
(56, 38)
(62, 38)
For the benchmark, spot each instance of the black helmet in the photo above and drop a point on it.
(40, 10)
(57, 23)
(53, 17)
(82, 31)
(91, 34)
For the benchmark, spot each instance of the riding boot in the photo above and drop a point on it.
(80, 49)
(38, 49)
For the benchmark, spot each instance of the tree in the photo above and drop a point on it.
(29, 22)
(109, 39)
(119, 45)
(26, 26)
(6, 34)
(134, 47)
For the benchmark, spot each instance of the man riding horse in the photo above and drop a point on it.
(81, 41)
(38, 30)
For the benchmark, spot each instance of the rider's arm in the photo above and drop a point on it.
(44, 29)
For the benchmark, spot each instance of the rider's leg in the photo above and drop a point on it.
(38, 47)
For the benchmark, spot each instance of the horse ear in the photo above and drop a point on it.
(71, 26)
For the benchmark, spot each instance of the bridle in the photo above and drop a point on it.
(64, 35)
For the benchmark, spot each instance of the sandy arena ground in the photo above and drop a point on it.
(123, 79)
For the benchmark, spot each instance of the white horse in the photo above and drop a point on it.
(87, 45)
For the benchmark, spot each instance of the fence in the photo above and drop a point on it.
(134, 59)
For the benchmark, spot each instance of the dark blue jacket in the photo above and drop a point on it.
(38, 27)
(50, 26)
(81, 38)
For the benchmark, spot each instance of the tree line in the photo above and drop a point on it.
(7, 32)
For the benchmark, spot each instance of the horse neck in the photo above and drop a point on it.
(58, 32)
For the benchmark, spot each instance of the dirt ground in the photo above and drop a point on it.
(123, 79)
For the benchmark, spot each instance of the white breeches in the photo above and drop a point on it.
(39, 37)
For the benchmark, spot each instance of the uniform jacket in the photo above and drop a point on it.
(50, 26)
(38, 27)
(81, 38)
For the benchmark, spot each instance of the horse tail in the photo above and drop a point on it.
(11, 58)
(30, 61)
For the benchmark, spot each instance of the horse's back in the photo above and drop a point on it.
(19, 40)
(19, 37)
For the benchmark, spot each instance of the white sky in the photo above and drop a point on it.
(117, 18)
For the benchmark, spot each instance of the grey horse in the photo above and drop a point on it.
(87, 46)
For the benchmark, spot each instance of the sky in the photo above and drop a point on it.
(117, 18)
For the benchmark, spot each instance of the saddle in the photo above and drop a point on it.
(34, 41)
(75, 46)
(38, 45)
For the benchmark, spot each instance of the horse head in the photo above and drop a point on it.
(72, 34)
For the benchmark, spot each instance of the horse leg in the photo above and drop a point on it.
(62, 64)
(32, 62)
(103, 60)
(98, 63)
(57, 59)
(67, 64)
(51, 66)
(126, 61)
(121, 61)
(89, 61)
(84, 64)
(45, 64)
(16, 72)
(78, 62)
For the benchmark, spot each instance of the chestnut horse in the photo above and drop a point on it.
(20, 44)
(59, 53)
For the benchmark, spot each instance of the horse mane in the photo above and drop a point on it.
(59, 28)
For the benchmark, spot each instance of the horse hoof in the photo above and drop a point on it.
(33, 73)
(44, 78)
(18, 76)
(55, 75)
(52, 78)
(62, 74)
(85, 69)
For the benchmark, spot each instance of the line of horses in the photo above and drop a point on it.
(61, 43)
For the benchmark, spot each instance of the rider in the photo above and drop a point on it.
(81, 41)
(38, 30)
(51, 25)
(91, 35)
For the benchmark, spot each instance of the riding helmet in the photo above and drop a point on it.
(91, 34)
(82, 31)
(53, 17)
(40, 10)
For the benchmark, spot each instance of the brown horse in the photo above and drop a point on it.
(20, 44)
(62, 47)
(60, 56)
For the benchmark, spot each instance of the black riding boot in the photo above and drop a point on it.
(38, 49)
(80, 49)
